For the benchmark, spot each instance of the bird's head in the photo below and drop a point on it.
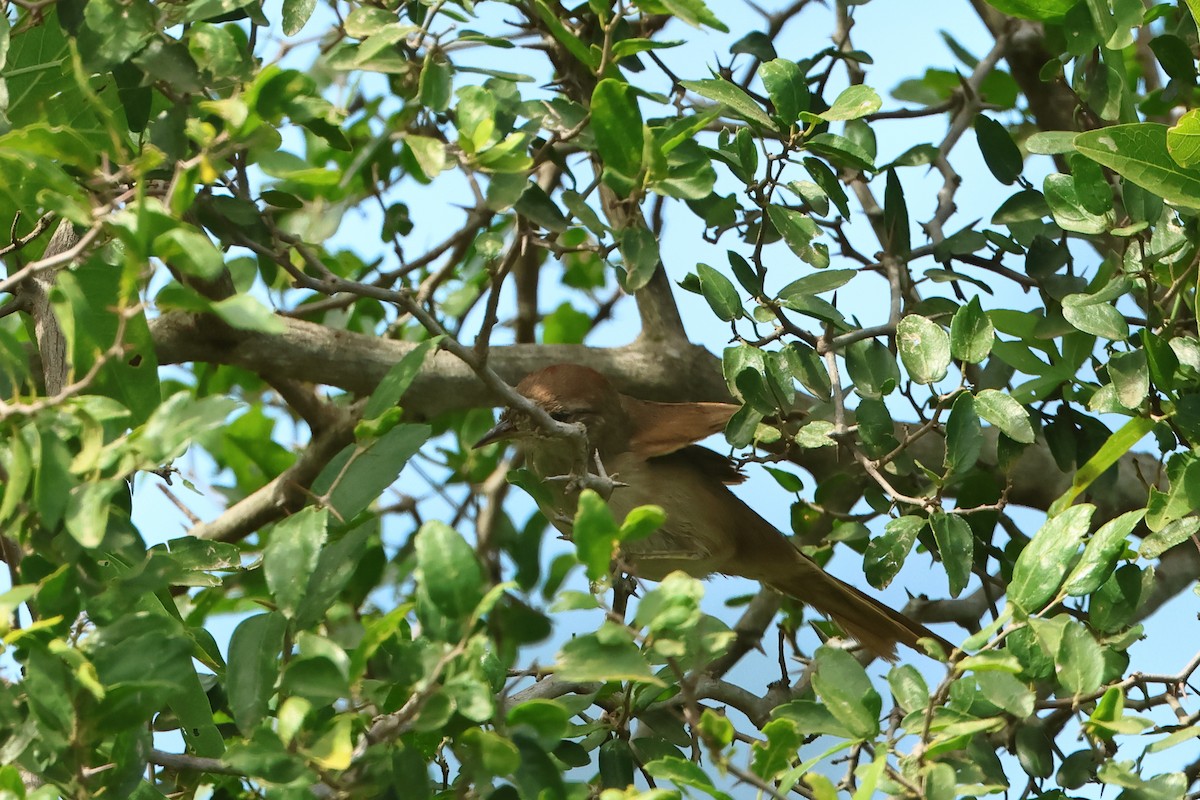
(568, 393)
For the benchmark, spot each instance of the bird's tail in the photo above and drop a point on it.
(865, 619)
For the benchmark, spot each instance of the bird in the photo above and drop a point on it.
(648, 450)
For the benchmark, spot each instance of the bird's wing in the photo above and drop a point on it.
(708, 462)
(663, 428)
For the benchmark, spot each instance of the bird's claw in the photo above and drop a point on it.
(600, 481)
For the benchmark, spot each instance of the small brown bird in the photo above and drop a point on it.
(650, 450)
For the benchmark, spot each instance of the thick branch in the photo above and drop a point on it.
(1053, 103)
(34, 293)
(356, 363)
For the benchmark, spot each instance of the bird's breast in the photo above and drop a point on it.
(696, 537)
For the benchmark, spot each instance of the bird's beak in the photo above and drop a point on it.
(503, 431)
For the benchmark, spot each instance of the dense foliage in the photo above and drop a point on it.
(282, 239)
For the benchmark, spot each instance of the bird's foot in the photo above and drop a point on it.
(599, 481)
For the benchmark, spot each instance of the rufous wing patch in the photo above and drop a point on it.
(662, 428)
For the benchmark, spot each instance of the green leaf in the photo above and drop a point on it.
(253, 668)
(120, 29)
(924, 348)
(909, 688)
(11, 600)
(1040, 10)
(732, 95)
(1117, 445)
(1007, 692)
(545, 720)
(808, 368)
(475, 118)
(436, 85)
(1034, 750)
(291, 556)
(787, 87)
(607, 655)
(815, 434)
(536, 206)
(565, 325)
(295, 14)
(641, 522)
(716, 727)
(397, 380)
(842, 684)
(1173, 533)
(841, 151)
(721, 294)
(1097, 317)
(956, 547)
(1138, 152)
(595, 534)
(872, 368)
(755, 43)
(869, 778)
(1161, 360)
(854, 102)
(1044, 562)
(1026, 205)
(550, 16)
(178, 420)
(1183, 139)
(448, 571)
(1006, 414)
(971, 333)
(631, 47)
(1080, 662)
(964, 435)
(885, 554)
(615, 762)
(799, 231)
(774, 755)
(1100, 554)
(1051, 143)
(429, 153)
(358, 475)
(639, 249)
(896, 235)
(1130, 376)
(818, 283)
(1091, 186)
(620, 137)
(693, 12)
(1068, 208)
(1175, 57)
(1178, 737)
(819, 309)
(824, 177)
(53, 482)
(246, 313)
(86, 515)
(685, 774)
(5, 40)
(89, 295)
(263, 756)
(19, 469)
(1000, 153)
(191, 252)
(336, 565)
